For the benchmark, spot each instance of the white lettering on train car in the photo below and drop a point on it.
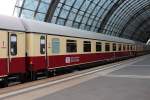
(67, 60)
(3, 44)
(72, 59)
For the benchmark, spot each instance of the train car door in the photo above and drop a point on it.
(43, 52)
(16, 53)
(3, 53)
(49, 53)
(53, 51)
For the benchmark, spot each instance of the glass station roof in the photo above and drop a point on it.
(83, 14)
(123, 18)
(32, 9)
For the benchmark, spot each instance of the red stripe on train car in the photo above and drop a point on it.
(3, 66)
(39, 63)
(16, 66)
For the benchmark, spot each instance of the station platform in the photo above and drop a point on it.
(129, 81)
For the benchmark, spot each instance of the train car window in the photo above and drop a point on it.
(119, 47)
(87, 46)
(114, 46)
(134, 47)
(131, 47)
(55, 45)
(71, 46)
(124, 47)
(98, 46)
(107, 47)
(128, 47)
(42, 45)
(13, 44)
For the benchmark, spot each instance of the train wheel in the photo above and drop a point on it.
(4, 83)
(33, 76)
(23, 78)
(47, 73)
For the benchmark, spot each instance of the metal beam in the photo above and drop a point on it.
(77, 13)
(148, 35)
(36, 10)
(109, 14)
(91, 15)
(138, 27)
(146, 30)
(21, 8)
(69, 12)
(84, 14)
(143, 35)
(51, 10)
(133, 18)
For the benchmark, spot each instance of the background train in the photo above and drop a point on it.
(30, 47)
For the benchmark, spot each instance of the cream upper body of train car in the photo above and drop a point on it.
(33, 46)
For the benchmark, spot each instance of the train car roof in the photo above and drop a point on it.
(24, 25)
(42, 27)
(11, 23)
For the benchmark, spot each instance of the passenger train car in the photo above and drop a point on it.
(28, 47)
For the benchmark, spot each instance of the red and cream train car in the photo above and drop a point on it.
(28, 47)
(51, 46)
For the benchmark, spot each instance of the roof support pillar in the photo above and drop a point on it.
(51, 10)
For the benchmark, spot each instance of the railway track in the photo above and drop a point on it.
(101, 70)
